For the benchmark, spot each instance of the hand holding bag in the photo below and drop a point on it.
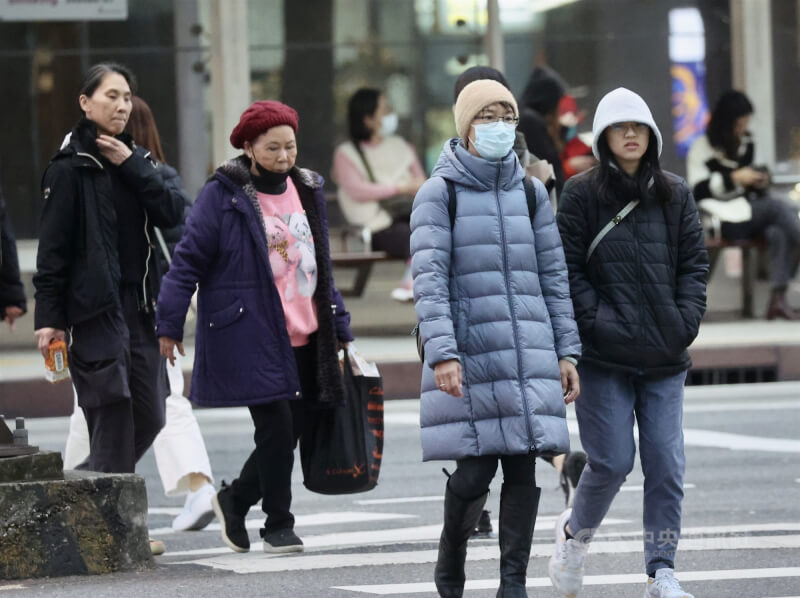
(342, 448)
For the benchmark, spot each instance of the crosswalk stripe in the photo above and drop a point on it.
(589, 580)
(306, 520)
(543, 527)
(257, 562)
(420, 533)
(400, 500)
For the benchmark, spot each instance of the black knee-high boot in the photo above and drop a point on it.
(518, 508)
(460, 517)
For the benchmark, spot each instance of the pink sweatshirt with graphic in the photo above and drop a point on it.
(293, 261)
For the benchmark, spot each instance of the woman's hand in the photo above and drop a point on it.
(44, 336)
(12, 313)
(167, 347)
(112, 149)
(749, 177)
(570, 384)
(410, 188)
(448, 377)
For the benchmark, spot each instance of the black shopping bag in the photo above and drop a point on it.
(341, 448)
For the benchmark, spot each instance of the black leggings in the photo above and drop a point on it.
(267, 473)
(474, 474)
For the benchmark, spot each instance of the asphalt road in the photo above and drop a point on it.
(741, 524)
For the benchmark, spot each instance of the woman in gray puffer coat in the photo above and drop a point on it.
(496, 319)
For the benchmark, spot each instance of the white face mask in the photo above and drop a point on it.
(389, 124)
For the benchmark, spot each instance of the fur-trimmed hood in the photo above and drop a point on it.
(237, 170)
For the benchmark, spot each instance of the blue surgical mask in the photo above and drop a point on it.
(494, 140)
(389, 124)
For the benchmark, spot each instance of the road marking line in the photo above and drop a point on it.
(257, 562)
(16, 586)
(379, 537)
(407, 499)
(306, 520)
(734, 406)
(636, 488)
(739, 442)
(589, 580)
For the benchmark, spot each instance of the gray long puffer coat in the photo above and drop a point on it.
(493, 294)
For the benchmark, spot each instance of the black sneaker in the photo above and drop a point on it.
(282, 540)
(234, 532)
(571, 474)
(483, 529)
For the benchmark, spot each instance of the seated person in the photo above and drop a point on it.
(729, 186)
(375, 165)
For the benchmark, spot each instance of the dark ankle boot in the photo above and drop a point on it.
(778, 307)
(518, 508)
(460, 517)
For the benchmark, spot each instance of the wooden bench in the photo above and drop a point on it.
(715, 247)
(361, 262)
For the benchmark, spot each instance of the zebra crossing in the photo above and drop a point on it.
(371, 540)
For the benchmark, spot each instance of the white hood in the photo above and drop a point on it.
(619, 106)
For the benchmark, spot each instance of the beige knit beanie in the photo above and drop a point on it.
(474, 98)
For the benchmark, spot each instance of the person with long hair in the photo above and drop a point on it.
(269, 319)
(374, 166)
(492, 300)
(733, 188)
(97, 278)
(181, 456)
(637, 270)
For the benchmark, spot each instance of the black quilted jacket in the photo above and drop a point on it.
(640, 298)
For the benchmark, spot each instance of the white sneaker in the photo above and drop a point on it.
(403, 295)
(665, 586)
(566, 565)
(197, 510)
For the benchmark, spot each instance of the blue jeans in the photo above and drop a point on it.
(608, 403)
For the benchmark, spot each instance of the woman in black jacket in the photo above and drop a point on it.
(637, 267)
(97, 274)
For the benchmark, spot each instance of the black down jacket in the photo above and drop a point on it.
(640, 298)
(78, 271)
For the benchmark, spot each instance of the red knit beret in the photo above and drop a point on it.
(259, 117)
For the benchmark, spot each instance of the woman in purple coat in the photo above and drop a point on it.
(270, 320)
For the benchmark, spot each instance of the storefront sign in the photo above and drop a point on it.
(63, 10)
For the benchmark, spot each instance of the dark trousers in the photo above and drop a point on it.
(267, 473)
(121, 381)
(776, 220)
(474, 474)
(394, 240)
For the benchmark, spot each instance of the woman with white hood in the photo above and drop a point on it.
(637, 269)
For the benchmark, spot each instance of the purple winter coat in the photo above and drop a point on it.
(243, 355)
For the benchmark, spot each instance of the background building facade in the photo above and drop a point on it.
(200, 62)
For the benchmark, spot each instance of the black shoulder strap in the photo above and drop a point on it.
(451, 201)
(530, 196)
(370, 175)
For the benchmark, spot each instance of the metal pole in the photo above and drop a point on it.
(230, 72)
(751, 57)
(193, 153)
(494, 36)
